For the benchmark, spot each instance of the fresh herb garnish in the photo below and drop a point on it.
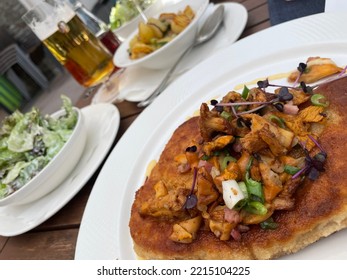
(192, 200)
(191, 149)
(269, 224)
(313, 165)
(283, 96)
(319, 100)
(301, 68)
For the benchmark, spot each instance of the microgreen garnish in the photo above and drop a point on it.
(192, 200)
(191, 149)
(343, 71)
(269, 224)
(213, 102)
(305, 88)
(313, 165)
(301, 68)
(243, 123)
(279, 106)
(284, 95)
(316, 143)
(233, 109)
(265, 84)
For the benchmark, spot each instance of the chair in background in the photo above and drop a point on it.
(10, 55)
(10, 98)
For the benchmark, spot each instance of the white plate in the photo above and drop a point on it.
(104, 232)
(134, 85)
(102, 121)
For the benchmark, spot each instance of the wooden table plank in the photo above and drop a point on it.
(3, 241)
(258, 15)
(70, 215)
(253, 4)
(256, 28)
(46, 245)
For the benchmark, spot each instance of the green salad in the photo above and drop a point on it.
(28, 142)
(125, 10)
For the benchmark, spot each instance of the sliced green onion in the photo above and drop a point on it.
(254, 187)
(291, 169)
(269, 224)
(205, 157)
(225, 161)
(245, 92)
(225, 115)
(317, 98)
(217, 153)
(232, 194)
(277, 120)
(256, 207)
(243, 188)
(249, 164)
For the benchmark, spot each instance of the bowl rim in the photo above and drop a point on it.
(122, 51)
(23, 191)
(135, 18)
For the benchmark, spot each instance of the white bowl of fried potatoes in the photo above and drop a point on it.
(158, 43)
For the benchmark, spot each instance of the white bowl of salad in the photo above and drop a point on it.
(124, 17)
(38, 152)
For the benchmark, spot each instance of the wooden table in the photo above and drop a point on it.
(56, 238)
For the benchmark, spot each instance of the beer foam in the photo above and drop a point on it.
(49, 25)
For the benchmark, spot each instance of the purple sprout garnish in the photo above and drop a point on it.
(214, 102)
(301, 68)
(343, 71)
(284, 95)
(243, 123)
(316, 143)
(305, 88)
(192, 200)
(279, 106)
(191, 149)
(313, 165)
(265, 83)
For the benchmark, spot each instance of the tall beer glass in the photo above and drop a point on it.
(55, 23)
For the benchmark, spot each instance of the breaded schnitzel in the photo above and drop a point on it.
(179, 212)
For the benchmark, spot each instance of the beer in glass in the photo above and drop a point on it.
(71, 43)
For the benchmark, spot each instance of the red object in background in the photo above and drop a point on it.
(111, 42)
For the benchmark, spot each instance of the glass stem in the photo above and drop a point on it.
(138, 7)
